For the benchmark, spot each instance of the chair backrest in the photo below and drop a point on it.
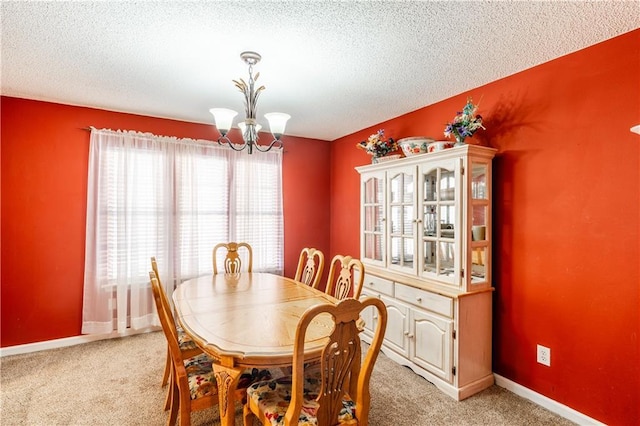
(342, 370)
(233, 260)
(310, 267)
(345, 274)
(167, 321)
(163, 294)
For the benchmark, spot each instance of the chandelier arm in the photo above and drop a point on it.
(231, 144)
(268, 147)
(223, 138)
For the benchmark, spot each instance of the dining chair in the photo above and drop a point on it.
(310, 267)
(233, 260)
(346, 276)
(191, 353)
(336, 391)
(193, 385)
(187, 346)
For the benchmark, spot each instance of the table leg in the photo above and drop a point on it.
(227, 380)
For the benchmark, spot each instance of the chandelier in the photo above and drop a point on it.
(249, 127)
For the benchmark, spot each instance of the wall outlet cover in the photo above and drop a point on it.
(544, 355)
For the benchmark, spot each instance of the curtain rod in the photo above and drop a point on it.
(151, 136)
(201, 141)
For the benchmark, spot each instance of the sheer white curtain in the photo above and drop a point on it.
(174, 199)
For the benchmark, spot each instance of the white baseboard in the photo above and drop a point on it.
(545, 402)
(67, 341)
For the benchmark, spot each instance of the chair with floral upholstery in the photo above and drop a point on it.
(310, 267)
(336, 391)
(192, 383)
(233, 261)
(187, 346)
(346, 277)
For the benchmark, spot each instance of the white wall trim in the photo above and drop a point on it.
(67, 341)
(545, 402)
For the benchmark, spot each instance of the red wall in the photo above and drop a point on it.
(44, 183)
(566, 225)
(566, 205)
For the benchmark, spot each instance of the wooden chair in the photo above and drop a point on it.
(310, 267)
(349, 279)
(233, 260)
(337, 390)
(193, 385)
(187, 346)
(194, 358)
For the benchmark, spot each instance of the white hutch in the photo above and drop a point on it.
(425, 237)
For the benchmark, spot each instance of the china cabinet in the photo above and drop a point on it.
(426, 245)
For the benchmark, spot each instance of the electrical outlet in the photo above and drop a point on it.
(544, 355)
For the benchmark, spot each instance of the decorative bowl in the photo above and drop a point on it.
(439, 146)
(414, 145)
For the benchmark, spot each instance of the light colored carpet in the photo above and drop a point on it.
(117, 382)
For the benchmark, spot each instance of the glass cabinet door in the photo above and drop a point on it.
(480, 214)
(402, 220)
(373, 221)
(427, 219)
(440, 222)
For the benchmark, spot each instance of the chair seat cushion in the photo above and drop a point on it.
(273, 397)
(185, 341)
(253, 375)
(202, 381)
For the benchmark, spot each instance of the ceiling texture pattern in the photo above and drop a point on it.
(335, 66)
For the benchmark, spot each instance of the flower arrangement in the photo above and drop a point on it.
(465, 123)
(377, 146)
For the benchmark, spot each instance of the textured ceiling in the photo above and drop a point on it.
(336, 67)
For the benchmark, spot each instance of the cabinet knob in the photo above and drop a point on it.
(406, 333)
(419, 299)
(410, 336)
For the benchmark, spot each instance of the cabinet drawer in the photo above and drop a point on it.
(378, 285)
(434, 302)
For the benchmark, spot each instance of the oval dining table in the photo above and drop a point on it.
(247, 320)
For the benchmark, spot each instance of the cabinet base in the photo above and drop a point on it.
(457, 393)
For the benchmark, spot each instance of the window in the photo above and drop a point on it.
(173, 199)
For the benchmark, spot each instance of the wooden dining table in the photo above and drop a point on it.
(248, 320)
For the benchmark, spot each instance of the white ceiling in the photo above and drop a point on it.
(335, 66)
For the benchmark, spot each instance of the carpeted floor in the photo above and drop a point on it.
(117, 382)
